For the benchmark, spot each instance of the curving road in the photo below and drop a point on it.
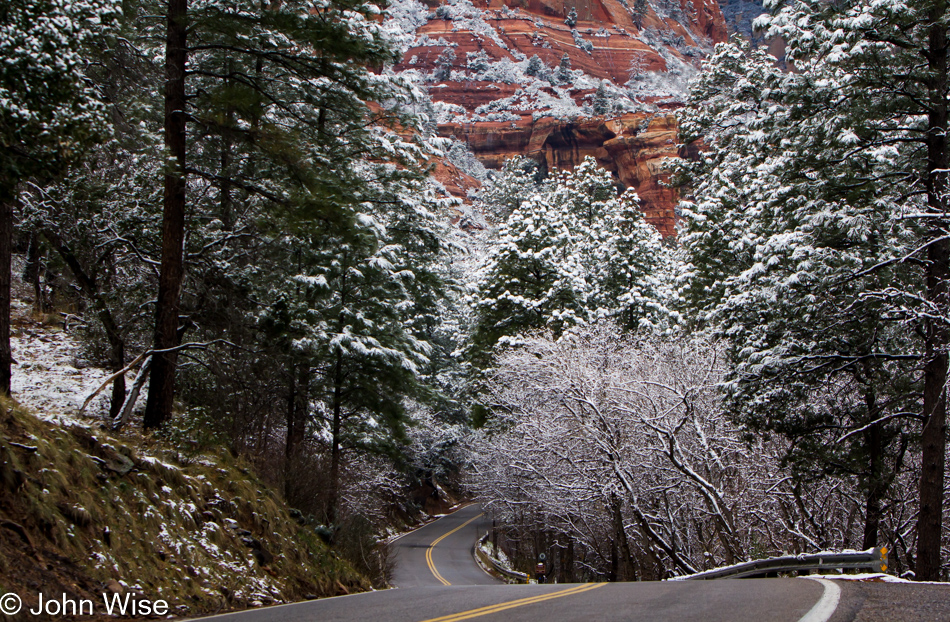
(439, 581)
(440, 553)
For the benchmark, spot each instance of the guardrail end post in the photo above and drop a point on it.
(882, 558)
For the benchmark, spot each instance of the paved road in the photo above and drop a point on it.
(440, 553)
(438, 581)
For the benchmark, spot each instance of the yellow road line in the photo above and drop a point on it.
(440, 539)
(484, 611)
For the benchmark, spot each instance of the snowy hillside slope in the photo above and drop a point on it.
(51, 377)
(84, 511)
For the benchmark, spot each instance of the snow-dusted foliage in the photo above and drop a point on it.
(545, 91)
(814, 234)
(509, 187)
(402, 20)
(623, 444)
(460, 154)
(48, 111)
(570, 252)
(672, 84)
(312, 298)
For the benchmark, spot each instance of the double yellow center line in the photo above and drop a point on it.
(440, 539)
(484, 611)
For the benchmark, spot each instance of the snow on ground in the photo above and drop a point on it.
(49, 376)
(873, 577)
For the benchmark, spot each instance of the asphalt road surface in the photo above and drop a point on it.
(440, 553)
(438, 581)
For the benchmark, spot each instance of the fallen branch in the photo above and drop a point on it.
(126, 412)
(148, 354)
(111, 379)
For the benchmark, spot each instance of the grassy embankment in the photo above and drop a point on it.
(82, 512)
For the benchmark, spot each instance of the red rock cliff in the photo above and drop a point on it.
(634, 147)
(605, 44)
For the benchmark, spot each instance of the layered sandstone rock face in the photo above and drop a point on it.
(635, 147)
(474, 58)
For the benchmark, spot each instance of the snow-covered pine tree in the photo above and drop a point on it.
(639, 13)
(792, 236)
(890, 64)
(444, 64)
(478, 62)
(564, 74)
(273, 105)
(48, 112)
(534, 278)
(601, 103)
(535, 67)
(359, 313)
(571, 253)
(634, 270)
(514, 183)
(571, 19)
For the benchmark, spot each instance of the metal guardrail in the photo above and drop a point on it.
(496, 565)
(874, 560)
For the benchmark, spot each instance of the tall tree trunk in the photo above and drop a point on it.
(6, 265)
(290, 447)
(875, 484)
(625, 564)
(31, 273)
(569, 562)
(161, 389)
(877, 481)
(933, 437)
(226, 217)
(336, 427)
(297, 408)
(612, 575)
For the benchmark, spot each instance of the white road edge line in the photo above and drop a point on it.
(826, 605)
(454, 509)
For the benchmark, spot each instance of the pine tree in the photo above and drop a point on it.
(564, 74)
(601, 103)
(444, 64)
(794, 237)
(279, 88)
(359, 311)
(478, 62)
(535, 67)
(634, 271)
(571, 253)
(161, 392)
(640, 10)
(48, 113)
(514, 183)
(534, 279)
(891, 65)
(571, 19)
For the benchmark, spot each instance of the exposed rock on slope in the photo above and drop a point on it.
(487, 89)
(634, 146)
(679, 28)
